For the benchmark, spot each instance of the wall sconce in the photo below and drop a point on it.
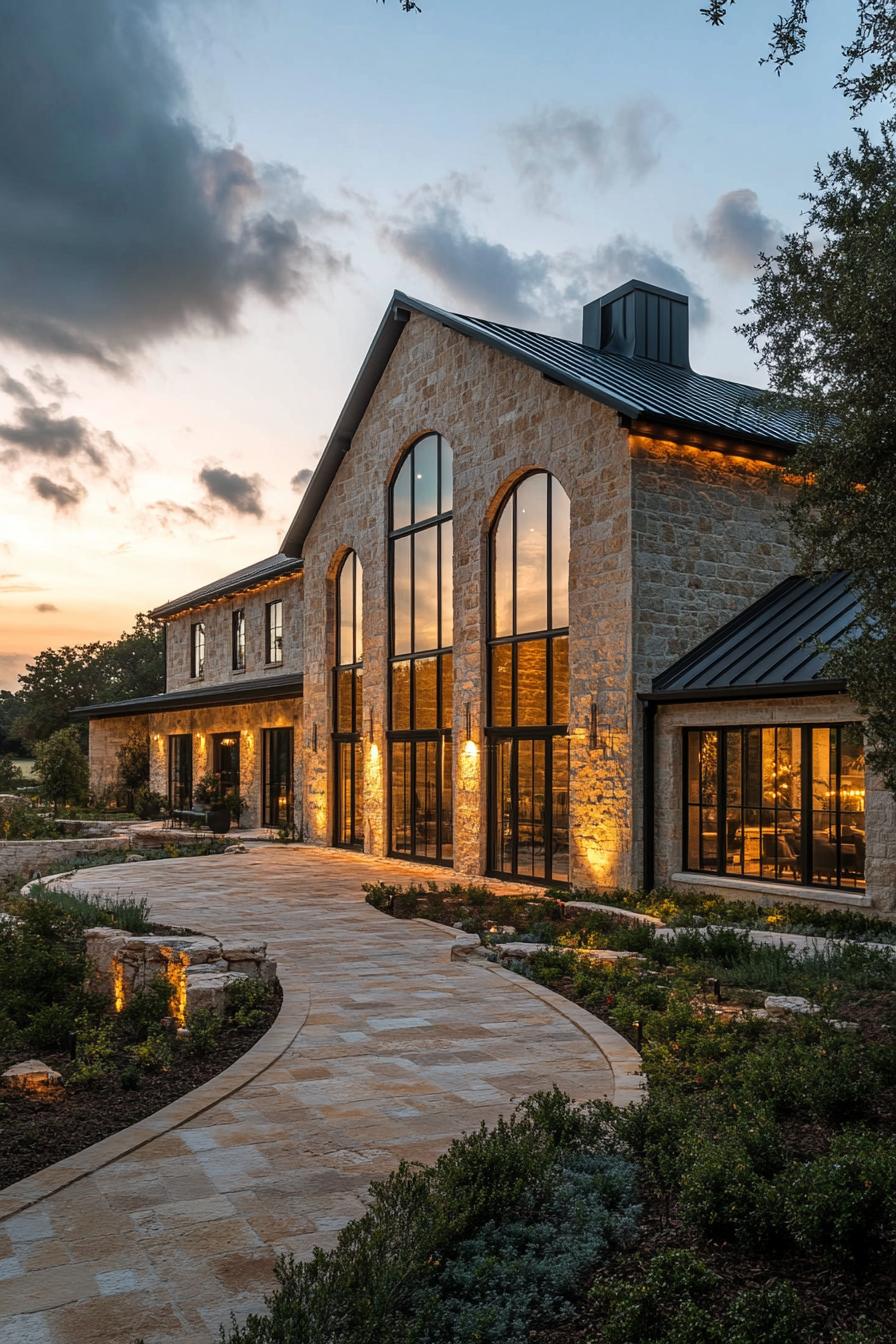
(592, 728)
(370, 726)
(314, 737)
(468, 722)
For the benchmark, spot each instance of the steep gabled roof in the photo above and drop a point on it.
(643, 390)
(242, 580)
(779, 645)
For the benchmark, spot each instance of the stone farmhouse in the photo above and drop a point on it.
(536, 616)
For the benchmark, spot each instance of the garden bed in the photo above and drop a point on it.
(765, 1150)
(116, 1067)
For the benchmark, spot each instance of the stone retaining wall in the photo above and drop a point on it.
(24, 857)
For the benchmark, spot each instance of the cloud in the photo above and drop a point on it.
(48, 383)
(44, 433)
(242, 494)
(45, 606)
(736, 231)
(558, 141)
(121, 221)
(168, 515)
(300, 481)
(63, 495)
(533, 288)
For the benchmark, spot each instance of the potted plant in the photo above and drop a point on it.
(235, 804)
(207, 794)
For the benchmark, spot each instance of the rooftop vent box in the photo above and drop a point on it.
(641, 321)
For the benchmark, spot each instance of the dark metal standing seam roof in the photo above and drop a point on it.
(275, 566)
(281, 686)
(641, 389)
(772, 647)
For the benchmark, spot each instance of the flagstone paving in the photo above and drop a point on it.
(387, 1050)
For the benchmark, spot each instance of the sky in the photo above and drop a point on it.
(205, 207)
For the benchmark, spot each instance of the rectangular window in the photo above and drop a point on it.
(273, 633)
(277, 774)
(180, 770)
(197, 649)
(784, 804)
(238, 640)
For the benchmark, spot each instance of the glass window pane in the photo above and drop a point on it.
(401, 695)
(501, 683)
(447, 810)
(531, 684)
(447, 500)
(359, 611)
(852, 805)
(401, 595)
(447, 542)
(359, 700)
(401, 496)
(560, 651)
(425, 672)
(531, 554)
(401, 797)
(559, 833)
(559, 555)
(447, 665)
(426, 478)
(425, 799)
(709, 758)
(502, 577)
(693, 772)
(426, 587)
(345, 652)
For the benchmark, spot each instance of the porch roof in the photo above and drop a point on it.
(281, 687)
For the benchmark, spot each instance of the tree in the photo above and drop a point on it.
(869, 60)
(11, 776)
(61, 767)
(58, 680)
(133, 764)
(822, 326)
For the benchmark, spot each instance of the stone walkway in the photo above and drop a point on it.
(385, 1049)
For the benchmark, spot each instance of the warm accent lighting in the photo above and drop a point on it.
(176, 975)
(228, 741)
(117, 985)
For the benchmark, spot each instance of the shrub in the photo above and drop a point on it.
(51, 1026)
(129, 1078)
(769, 1315)
(125, 913)
(726, 1190)
(94, 1051)
(143, 1012)
(473, 1248)
(843, 1203)
(41, 961)
(205, 1031)
(669, 1304)
(156, 1053)
(812, 1070)
(20, 821)
(133, 765)
(207, 790)
(11, 777)
(149, 805)
(248, 1002)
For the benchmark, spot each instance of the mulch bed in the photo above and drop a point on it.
(36, 1131)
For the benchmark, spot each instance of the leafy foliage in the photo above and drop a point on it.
(62, 767)
(124, 912)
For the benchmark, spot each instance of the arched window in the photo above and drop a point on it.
(420, 666)
(528, 703)
(348, 704)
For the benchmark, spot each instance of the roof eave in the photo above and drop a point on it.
(776, 691)
(181, 604)
(228, 693)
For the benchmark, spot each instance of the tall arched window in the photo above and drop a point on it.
(348, 705)
(528, 703)
(420, 667)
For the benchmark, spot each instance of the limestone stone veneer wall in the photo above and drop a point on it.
(106, 735)
(652, 525)
(880, 808)
(24, 857)
(218, 619)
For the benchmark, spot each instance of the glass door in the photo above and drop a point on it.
(277, 777)
(529, 821)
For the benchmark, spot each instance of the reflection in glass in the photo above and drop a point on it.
(348, 676)
(277, 782)
(532, 554)
(531, 683)
(503, 575)
(560, 679)
(745, 793)
(502, 685)
(421, 679)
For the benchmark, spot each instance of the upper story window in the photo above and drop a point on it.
(782, 804)
(197, 649)
(238, 640)
(273, 632)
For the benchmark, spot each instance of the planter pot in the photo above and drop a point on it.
(219, 820)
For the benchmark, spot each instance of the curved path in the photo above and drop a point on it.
(385, 1049)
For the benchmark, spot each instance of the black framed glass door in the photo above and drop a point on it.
(180, 770)
(277, 777)
(348, 707)
(226, 762)
(529, 823)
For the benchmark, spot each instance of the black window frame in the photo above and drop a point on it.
(402, 740)
(180, 770)
(348, 831)
(806, 854)
(271, 816)
(238, 640)
(273, 631)
(554, 733)
(197, 654)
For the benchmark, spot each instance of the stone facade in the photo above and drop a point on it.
(218, 620)
(247, 720)
(880, 806)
